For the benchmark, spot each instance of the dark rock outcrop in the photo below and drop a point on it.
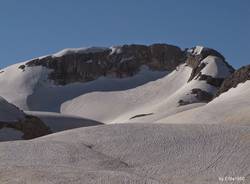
(87, 66)
(194, 61)
(200, 95)
(183, 102)
(31, 127)
(239, 76)
(211, 80)
(196, 72)
(195, 58)
(21, 67)
(141, 115)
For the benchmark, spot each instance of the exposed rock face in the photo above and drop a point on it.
(196, 70)
(201, 96)
(208, 65)
(31, 127)
(87, 66)
(196, 55)
(239, 76)
(212, 81)
(72, 66)
(82, 65)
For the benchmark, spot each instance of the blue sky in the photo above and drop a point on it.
(30, 28)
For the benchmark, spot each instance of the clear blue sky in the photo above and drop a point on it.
(31, 28)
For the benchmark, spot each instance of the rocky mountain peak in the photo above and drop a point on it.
(200, 57)
(87, 64)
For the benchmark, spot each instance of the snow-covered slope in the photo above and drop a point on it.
(9, 112)
(10, 134)
(130, 153)
(30, 89)
(17, 83)
(215, 67)
(232, 107)
(58, 122)
(51, 97)
(16, 124)
(78, 51)
(44, 83)
(122, 105)
(156, 100)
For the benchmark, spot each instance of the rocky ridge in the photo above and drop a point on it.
(121, 61)
(239, 76)
(72, 66)
(83, 65)
(194, 59)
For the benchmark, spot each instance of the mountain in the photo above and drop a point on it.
(239, 76)
(138, 113)
(68, 81)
